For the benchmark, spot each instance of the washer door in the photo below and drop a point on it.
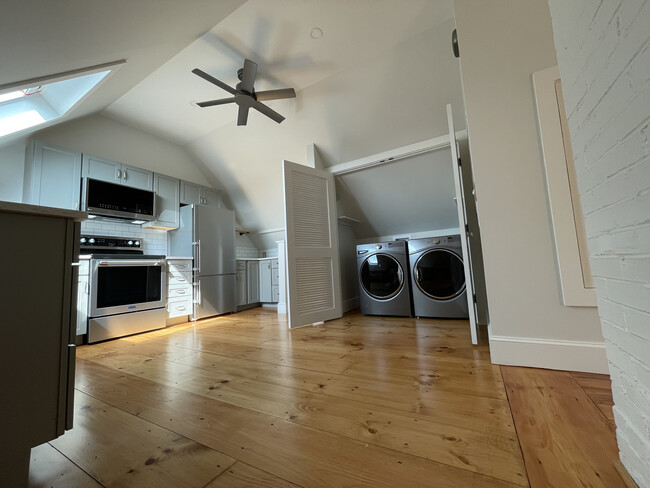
(381, 276)
(439, 274)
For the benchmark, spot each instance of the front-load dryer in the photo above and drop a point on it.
(438, 277)
(384, 285)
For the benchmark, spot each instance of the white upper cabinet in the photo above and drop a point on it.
(167, 191)
(203, 195)
(52, 176)
(121, 174)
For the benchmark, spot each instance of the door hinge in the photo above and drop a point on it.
(474, 297)
(459, 163)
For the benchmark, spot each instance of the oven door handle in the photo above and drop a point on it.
(131, 262)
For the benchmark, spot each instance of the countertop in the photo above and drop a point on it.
(177, 257)
(24, 208)
(256, 259)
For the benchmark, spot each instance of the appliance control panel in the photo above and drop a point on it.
(109, 242)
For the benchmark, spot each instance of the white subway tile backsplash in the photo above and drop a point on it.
(153, 241)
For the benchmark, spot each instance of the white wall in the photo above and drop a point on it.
(105, 138)
(604, 58)
(12, 168)
(501, 44)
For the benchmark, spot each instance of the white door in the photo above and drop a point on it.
(311, 237)
(462, 223)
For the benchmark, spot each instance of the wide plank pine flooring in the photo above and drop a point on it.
(241, 401)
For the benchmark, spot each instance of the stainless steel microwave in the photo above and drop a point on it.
(113, 200)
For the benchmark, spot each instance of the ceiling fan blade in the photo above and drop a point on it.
(213, 80)
(212, 103)
(260, 107)
(248, 77)
(275, 94)
(242, 116)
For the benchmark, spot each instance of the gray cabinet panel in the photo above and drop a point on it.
(113, 172)
(137, 177)
(190, 193)
(211, 197)
(101, 169)
(167, 202)
(253, 279)
(266, 295)
(52, 176)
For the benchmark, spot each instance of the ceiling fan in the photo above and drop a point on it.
(244, 93)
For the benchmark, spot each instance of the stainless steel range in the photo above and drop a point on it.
(126, 288)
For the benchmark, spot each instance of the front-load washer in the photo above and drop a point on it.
(384, 285)
(438, 277)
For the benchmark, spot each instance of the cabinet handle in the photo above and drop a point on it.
(126, 175)
(181, 291)
(119, 174)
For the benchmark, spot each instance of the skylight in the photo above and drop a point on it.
(35, 102)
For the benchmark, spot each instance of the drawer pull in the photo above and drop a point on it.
(180, 307)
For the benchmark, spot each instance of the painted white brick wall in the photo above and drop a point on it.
(154, 241)
(603, 50)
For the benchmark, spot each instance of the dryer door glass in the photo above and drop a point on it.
(439, 274)
(381, 276)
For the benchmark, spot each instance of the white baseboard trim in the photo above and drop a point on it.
(350, 304)
(588, 357)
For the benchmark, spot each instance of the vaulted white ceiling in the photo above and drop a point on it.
(379, 78)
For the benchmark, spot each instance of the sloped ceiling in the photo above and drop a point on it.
(379, 78)
(45, 37)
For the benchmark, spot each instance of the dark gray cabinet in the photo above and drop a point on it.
(37, 352)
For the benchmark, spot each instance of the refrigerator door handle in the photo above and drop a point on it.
(197, 255)
(197, 293)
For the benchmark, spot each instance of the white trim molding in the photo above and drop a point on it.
(583, 356)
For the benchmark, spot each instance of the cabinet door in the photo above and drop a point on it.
(242, 287)
(55, 176)
(252, 272)
(101, 169)
(190, 193)
(265, 281)
(167, 200)
(210, 196)
(137, 177)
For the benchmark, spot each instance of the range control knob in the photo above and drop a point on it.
(137, 243)
(436, 241)
(91, 241)
(82, 240)
(378, 246)
(130, 243)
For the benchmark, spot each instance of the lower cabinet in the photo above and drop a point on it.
(269, 281)
(242, 283)
(179, 288)
(37, 351)
(253, 278)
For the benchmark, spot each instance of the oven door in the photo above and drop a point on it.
(129, 285)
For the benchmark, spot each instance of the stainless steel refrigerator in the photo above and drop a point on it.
(207, 234)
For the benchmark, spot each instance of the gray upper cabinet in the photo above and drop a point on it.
(167, 191)
(121, 174)
(211, 197)
(190, 193)
(203, 195)
(52, 176)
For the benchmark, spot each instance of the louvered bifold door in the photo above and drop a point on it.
(314, 284)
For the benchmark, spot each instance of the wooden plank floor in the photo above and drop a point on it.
(241, 401)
